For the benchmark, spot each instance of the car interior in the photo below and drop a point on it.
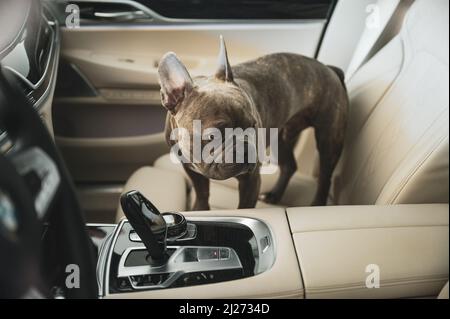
(82, 139)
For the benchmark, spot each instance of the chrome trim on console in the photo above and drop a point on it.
(264, 254)
(175, 268)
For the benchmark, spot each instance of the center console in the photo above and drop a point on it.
(215, 250)
(206, 250)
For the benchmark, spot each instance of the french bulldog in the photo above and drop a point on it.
(286, 91)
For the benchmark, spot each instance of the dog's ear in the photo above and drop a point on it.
(175, 81)
(224, 70)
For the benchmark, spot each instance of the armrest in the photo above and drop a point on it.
(408, 243)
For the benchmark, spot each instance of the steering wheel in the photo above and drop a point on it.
(42, 230)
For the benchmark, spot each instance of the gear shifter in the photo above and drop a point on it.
(148, 223)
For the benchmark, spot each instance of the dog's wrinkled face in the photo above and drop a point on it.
(207, 110)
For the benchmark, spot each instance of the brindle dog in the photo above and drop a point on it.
(286, 91)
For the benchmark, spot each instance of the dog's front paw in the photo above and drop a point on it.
(270, 198)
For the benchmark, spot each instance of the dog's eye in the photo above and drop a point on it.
(209, 137)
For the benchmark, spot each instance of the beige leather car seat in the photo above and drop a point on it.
(397, 140)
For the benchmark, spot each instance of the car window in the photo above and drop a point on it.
(238, 9)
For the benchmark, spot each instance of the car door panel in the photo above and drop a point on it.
(132, 61)
(117, 157)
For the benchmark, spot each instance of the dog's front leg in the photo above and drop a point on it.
(201, 187)
(249, 185)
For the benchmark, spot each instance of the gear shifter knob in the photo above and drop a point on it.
(148, 223)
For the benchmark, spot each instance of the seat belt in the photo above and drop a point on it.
(392, 28)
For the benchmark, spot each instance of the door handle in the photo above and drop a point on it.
(121, 16)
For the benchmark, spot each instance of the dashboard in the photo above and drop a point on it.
(32, 55)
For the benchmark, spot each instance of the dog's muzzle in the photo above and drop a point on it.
(235, 161)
